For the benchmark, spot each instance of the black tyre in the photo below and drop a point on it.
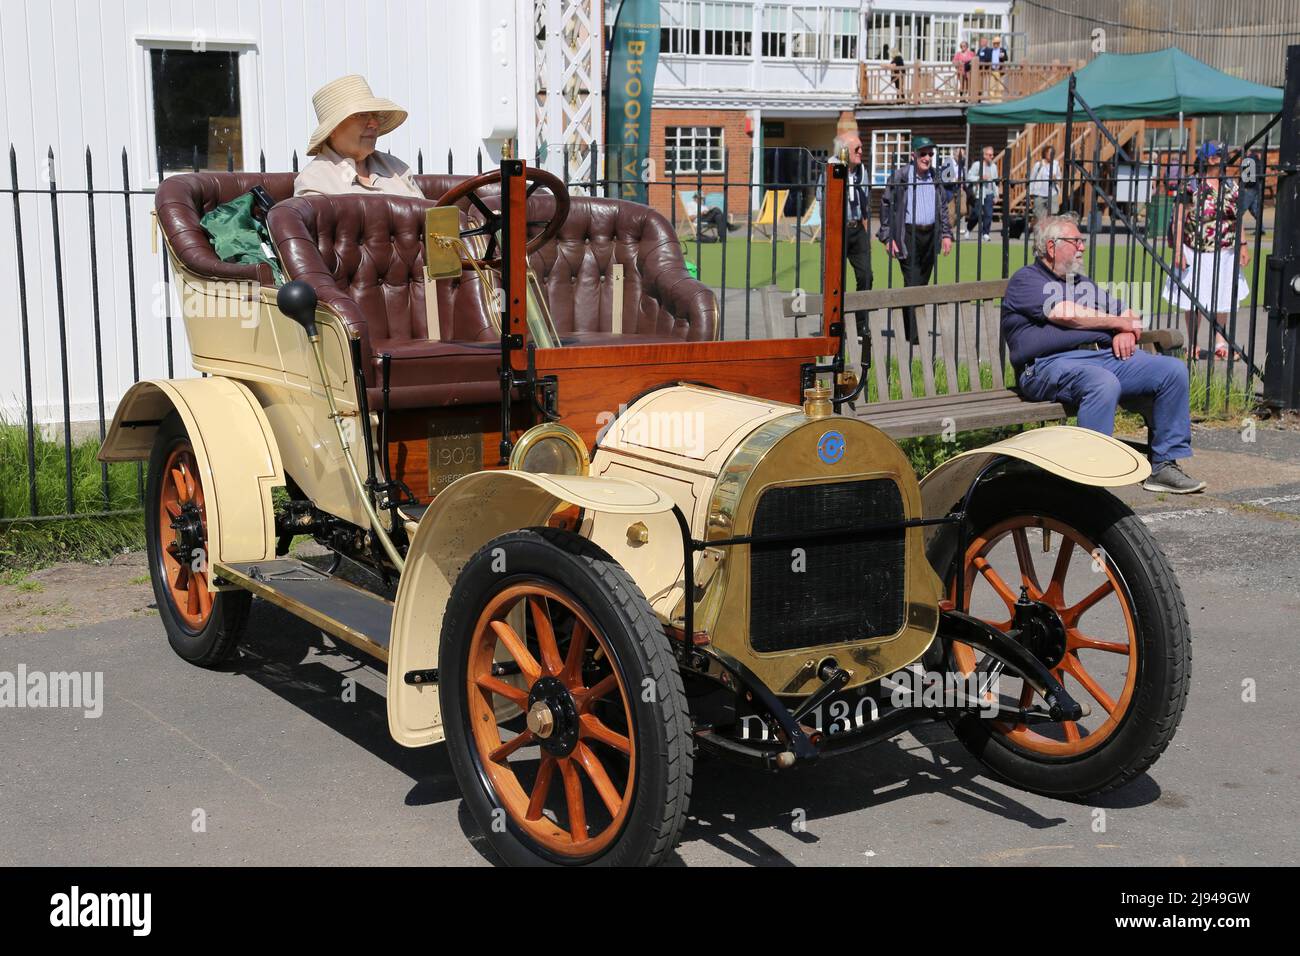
(202, 627)
(565, 718)
(1129, 659)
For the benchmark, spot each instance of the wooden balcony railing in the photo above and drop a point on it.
(880, 84)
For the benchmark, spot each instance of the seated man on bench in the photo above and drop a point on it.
(1070, 342)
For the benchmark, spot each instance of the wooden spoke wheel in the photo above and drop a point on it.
(575, 743)
(1106, 617)
(1023, 552)
(183, 535)
(202, 626)
(565, 719)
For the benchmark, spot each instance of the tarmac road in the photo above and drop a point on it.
(280, 769)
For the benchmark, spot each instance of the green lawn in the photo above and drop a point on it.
(28, 544)
(753, 269)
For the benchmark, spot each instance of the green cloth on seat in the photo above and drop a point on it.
(238, 237)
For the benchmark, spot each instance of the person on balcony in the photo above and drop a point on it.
(913, 215)
(961, 61)
(1208, 246)
(997, 54)
(1071, 342)
(898, 70)
(350, 120)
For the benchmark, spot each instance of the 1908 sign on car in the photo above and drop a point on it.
(587, 602)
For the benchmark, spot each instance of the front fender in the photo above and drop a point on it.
(1080, 455)
(463, 517)
(238, 458)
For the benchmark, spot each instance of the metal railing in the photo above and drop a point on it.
(915, 84)
(764, 234)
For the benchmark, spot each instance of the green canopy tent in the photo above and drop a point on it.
(1166, 83)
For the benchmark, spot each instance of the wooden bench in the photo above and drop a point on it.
(961, 334)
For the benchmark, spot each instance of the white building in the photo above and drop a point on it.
(202, 79)
(756, 89)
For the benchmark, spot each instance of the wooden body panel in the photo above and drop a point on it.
(594, 384)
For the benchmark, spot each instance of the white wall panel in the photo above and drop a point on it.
(74, 74)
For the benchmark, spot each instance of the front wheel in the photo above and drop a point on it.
(563, 708)
(1113, 631)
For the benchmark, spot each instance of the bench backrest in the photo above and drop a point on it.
(960, 330)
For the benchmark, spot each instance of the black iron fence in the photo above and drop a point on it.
(741, 236)
(1132, 206)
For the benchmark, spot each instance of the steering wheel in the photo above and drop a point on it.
(493, 219)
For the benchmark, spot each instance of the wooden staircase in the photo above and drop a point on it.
(1027, 146)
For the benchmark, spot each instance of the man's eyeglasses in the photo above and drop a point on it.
(928, 153)
(1079, 241)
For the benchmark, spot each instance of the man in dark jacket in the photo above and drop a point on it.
(914, 219)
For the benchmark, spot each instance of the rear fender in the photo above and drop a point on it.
(238, 458)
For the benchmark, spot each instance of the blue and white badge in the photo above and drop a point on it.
(830, 447)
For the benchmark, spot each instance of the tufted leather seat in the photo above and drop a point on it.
(364, 257)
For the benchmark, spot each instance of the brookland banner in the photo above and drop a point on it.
(634, 54)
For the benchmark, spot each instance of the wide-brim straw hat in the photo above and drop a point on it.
(339, 99)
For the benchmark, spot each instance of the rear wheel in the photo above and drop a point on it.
(1114, 633)
(202, 626)
(565, 717)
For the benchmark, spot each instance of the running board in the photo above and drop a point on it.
(339, 608)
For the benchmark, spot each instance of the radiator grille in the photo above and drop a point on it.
(839, 590)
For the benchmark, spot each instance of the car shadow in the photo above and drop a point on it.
(731, 805)
(296, 662)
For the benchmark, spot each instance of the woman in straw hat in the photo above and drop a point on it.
(351, 119)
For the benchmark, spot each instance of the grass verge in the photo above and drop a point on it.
(29, 544)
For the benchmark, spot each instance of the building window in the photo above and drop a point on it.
(677, 34)
(842, 34)
(912, 37)
(879, 36)
(728, 29)
(693, 149)
(776, 32)
(945, 38)
(805, 33)
(945, 153)
(196, 109)
(926, 37)
(976, 25)
(890, 148)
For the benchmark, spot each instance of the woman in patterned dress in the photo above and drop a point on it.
(1207, 246)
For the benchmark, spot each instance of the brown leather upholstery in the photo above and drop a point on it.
(364, 257)
(181, 201)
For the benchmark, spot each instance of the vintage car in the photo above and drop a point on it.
(617, 542)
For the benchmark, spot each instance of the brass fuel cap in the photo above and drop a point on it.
(540, 720)
(817, 401)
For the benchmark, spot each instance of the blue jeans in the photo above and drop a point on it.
(1095, 382)
(986, 214)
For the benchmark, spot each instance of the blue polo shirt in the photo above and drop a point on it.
(1031, 294)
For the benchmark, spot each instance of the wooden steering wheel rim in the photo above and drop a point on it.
(532, 174)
